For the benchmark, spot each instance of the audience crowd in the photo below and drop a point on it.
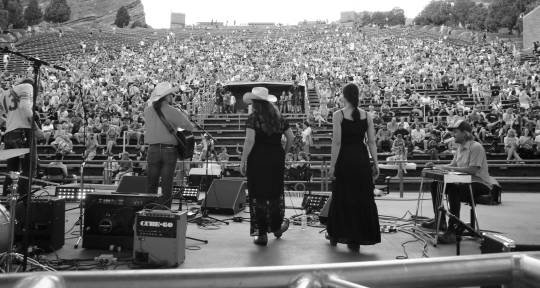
(413, 84)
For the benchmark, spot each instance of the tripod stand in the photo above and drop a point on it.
(36, 64)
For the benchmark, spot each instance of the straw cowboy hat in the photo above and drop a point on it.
(24, 91)
(259, 93)
(162, 89)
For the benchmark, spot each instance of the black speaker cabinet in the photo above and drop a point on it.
(225, 197)
(109, 218)
(47, 223)
(132, 185)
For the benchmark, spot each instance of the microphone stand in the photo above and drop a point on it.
(204, 210)
(36, 63)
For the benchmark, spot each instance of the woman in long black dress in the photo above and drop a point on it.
(353, 218)
(263, 161)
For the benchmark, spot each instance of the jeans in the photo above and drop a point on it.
(18, 138)
(457, 193)
(161, 164)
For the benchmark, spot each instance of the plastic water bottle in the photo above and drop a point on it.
(303, 223)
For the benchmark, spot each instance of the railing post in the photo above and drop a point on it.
(124, 143)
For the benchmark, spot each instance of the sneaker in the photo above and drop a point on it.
(431, 224)
(261, 240)
(284, 227)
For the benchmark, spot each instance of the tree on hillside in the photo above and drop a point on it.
(32, 13)
(461, 10)
(140, 24)
(58, 11)
(435, 13)
(476, 19)
(396, 17)
(15, 13)
(122, 17)
(366, 18)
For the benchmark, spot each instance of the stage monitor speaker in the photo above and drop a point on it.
(132, 185)
(109, 219)
(323, 216)
(225, 196)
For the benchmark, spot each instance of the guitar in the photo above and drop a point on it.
(186, 143)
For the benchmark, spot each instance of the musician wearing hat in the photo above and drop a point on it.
(263, 161)
(17, 105)
(162, 144)
(470, 158)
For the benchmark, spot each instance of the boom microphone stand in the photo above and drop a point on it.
(204, 211)
(36, 63)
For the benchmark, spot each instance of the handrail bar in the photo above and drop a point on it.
(456, 271)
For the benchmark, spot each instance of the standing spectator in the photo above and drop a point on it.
(307, 137)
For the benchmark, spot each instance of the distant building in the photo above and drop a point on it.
(261, 24)
(178, 20)
(209, 24)
(531, 28)
(348, 16)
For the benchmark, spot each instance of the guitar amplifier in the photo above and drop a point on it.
(160, 238)
(109, 219)
(47, 222)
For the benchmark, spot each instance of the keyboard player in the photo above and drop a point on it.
(469, 158)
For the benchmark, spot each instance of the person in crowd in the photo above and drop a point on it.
(162, 144)
(469, 158)
(57, 163)
(263, 161)
(353, 217)
(511, 145)
(526, 144)
(91, 147)
(125, 167)
(307, 137)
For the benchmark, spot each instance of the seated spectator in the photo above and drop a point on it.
(511, 145)
(384, 139)
(48, 130)
(526, 144)
(418, 136)
(63, 145)
(125, 167)
(58, 164)
(91, 147)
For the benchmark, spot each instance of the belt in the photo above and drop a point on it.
(164, 145)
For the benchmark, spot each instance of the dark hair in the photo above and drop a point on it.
(58, 156)
(352, 95)
(267, 117)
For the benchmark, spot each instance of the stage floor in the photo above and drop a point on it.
(231, 246)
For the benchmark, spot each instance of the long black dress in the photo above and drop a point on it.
(353, 216)
(265, 176)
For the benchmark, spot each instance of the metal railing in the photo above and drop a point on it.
(516, 269)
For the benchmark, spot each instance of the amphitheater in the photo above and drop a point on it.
(229, 257)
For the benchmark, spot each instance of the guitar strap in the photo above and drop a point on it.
(167, 124)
